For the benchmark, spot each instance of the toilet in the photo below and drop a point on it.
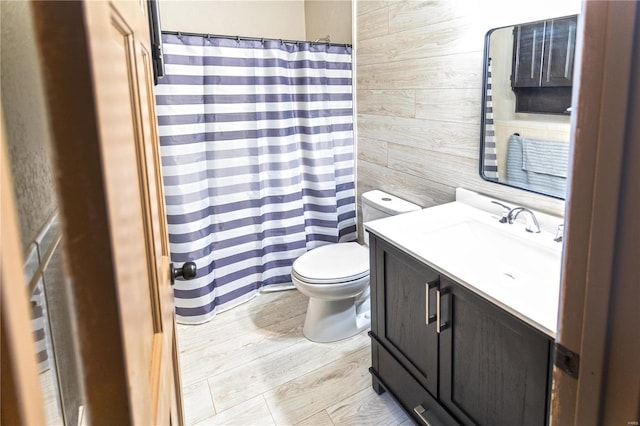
(335, 277)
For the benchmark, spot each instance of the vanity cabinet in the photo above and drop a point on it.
(406, 330)
(494, 369)
(447, 355)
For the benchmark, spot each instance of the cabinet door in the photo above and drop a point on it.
(494, 369)
(558, 60)
(403, 288)
(528, 45)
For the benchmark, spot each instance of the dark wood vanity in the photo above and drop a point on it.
(446, 354)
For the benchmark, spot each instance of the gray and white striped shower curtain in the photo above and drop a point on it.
(258, 162)
(490, 161)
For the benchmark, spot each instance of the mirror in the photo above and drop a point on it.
(526, 106)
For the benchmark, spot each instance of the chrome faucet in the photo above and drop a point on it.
(532, 223)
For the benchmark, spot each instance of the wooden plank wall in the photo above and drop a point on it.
(418, 95)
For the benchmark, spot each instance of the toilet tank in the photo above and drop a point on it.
(377, 204)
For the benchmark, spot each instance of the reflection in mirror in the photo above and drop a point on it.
(527, 105)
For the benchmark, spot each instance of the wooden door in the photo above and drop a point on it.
(403, 325)
(99, 81)
(494, 369)
(598, 321)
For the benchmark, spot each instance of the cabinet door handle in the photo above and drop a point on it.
(440, 325)
(420, 411)
(428, 319)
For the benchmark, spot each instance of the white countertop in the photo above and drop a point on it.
(514, 269)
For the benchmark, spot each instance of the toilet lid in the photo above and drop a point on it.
(333, 263)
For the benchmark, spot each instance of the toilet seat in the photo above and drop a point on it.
(332, 264)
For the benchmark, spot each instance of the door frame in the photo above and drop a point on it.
(595, 303)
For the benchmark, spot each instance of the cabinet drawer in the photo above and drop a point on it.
(407, 391)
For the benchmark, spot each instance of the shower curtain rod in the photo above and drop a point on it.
(179, 33)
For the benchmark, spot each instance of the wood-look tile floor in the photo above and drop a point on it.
(252, 366)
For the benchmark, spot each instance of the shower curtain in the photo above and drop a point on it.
(258, 160)
(490, 161)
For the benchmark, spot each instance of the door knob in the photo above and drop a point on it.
(187, 272)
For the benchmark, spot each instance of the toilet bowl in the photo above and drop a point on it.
(335, 277)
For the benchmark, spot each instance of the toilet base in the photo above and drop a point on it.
(332, 320)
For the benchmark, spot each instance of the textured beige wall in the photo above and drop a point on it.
(332, 17)
(25, 118)
(258, 18)
(419, 81)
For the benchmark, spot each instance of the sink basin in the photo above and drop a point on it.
(499, 255)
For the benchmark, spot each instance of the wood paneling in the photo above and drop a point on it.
(410, 15)
(374, 24)
(431, 52)
(395, 103)
(450, 105)
(372, 150)
(403, 184)
(432, 135)
(444, 38)
(462, 70)
(369, 6)
(432, 165)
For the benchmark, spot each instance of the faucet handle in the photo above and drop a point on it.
(559, 233)
(505, 212)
